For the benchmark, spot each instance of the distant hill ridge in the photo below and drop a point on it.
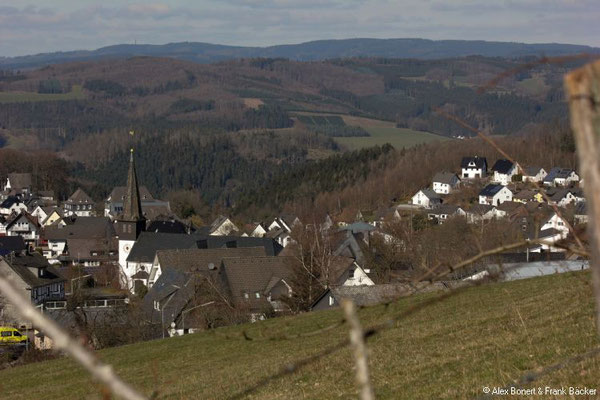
(309, 51)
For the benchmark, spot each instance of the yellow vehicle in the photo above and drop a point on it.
(10, 335)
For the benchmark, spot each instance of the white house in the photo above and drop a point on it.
(561, 177)
(504, 170)
(561, 197)
(222, 226)
(426, 198)
(79, 204)
(534, 174)
(473, 167)
(12, 204)
(553, 221)
(258, 231)
(445, 182)
(480, 212)
(495, 195)
(26, 226)
(445, 211)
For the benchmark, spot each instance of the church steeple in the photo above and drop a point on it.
(132, 206)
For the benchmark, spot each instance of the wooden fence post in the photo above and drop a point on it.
(583, 91)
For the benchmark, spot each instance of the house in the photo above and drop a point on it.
(79, 204)
(480, 212)
(222, 226)
(258, 230)
(12, 204)
(426, 198)
(3, 222)
(281, 236)
(526, 196)
(34, 278)
(494, 195)
(581, 216)
(285, 222)
(561, 177)
(54, 217)
(534, 174)
(560, 197)
(190, 260)
(444, 212)
(445, 182)
(473, 167)
(362, 296)
(503, 171)
(345, 271)
(143, 251)
(99, 232)
(26, 226)
(18, 182)
(151, 207)
(259, 285)
(272, 248)
(553, 221)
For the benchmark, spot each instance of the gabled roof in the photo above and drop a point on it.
(445, 177)
(337, 268)
(253, 275)
(23, 215)
(502, 166)
(490, 190)
(118, 194)
(81, 228)
(557, 195)
(80, 197)
(367, 295)
(33, 269)
(148, 243)
(480, 162)
(96, 249)
(357, 227)
(448, 209)
(10, 201)
(167, 227)
(430, 194)
(532, 171)
(525, 194)
(203, 260)
(559, 173)
(480, 209)
(272, 248)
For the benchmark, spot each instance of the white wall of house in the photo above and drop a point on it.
(358, 278)
(442, 188)
(539, 177)
(225, 228)
(420, 199)
(557, 223)
(503, 195)
(505, 179)
(472, 173)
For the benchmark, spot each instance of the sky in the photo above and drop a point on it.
(61, 25)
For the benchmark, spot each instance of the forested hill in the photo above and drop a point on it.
(315, 50)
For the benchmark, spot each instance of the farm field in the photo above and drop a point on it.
(381, 132)
(488, 335)
(76, 93)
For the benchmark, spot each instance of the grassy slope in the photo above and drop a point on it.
(487, 335)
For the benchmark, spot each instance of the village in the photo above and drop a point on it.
(140, 265)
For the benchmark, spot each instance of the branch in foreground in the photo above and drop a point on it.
(357, 340)
(102, 372)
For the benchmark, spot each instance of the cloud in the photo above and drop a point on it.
(72, 24)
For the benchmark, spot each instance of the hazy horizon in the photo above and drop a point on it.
(68, 25)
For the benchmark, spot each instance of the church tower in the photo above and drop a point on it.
(132, 222)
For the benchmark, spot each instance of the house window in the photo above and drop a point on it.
(257, 294)
(246, 295)
(351, 274)
(331, 300)
(156, 305)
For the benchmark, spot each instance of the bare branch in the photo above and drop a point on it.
(102, 372)
(357, 341)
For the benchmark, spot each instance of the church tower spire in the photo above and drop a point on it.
(132, 206)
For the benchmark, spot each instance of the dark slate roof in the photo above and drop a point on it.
(81, 228)
(9, 244)
(23, 215)
(356, 227)
(549, 233)
(490, 190)
(177, 286)
(502, 166)
(525, 194)
(80, 197)
(480, 162)
(557, 195)
(430, 194)
(367, 295)
(254, 275)
(203, 260)
(42, 274)
(272, 248)
(532, 171)
(148, 243)
(445, 177)
(557, 172)
(510, 206)
(118, 194)
(580, 208)
(20, 180)
(447, 209)
(480, 209)
(82, 249)
(10, 201)
(167, 227)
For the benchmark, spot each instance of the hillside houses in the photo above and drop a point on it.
(495, 195)
(473, 167)
(534, 174)
(445, 182)
(503, 171)
(560, 177)
(426, 198)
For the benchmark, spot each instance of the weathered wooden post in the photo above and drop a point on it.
(583, 91)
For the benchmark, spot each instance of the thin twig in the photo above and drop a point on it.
(102, 372)
(357, 340)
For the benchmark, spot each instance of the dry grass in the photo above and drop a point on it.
(484, 336)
